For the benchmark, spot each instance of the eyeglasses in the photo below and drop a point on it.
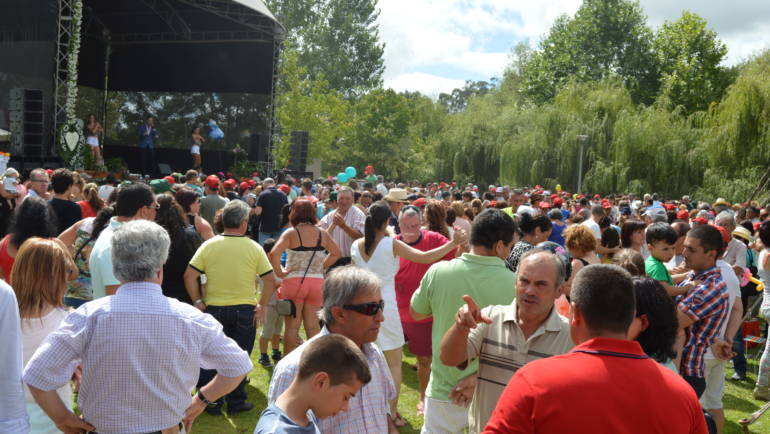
(155, 206)
(44, 181)
(369, 309)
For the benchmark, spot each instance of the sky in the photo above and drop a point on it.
(433, 46)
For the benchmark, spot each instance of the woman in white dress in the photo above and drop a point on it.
(40, 295)
(379, 253)
(93, 129)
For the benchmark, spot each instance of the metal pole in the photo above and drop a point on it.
(582, 139)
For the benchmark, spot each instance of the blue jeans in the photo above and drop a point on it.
(238, 324)
(739, 361)
(264, 236)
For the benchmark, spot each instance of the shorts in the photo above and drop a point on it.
(273, 323)
(92, 141)
(419, 337)
(715, 384)
(310, 291)
(196, 149)
(444, 417)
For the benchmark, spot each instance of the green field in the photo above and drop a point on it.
(738, 402)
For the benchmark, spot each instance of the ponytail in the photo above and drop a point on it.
(379, 213)
(368, 235)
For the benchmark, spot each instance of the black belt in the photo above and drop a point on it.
(154, 432)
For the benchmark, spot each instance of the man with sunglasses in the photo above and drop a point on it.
(38, 184)
(134, 202)
(353, 307)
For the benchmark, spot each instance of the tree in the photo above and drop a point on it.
(307, 104)
(457, 101)
(605, 38)
(689, 55)
(337, 40)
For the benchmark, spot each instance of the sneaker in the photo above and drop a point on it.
(276, 356)
(762, 393)
(264, 360)
(245, 406)
(738, 377)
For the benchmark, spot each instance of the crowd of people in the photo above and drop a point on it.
(528, 310)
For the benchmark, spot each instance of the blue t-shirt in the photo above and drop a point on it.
(556, 234)
(274, 420)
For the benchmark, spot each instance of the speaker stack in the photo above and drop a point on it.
(26, 116)
(298, 151)
(259, 148)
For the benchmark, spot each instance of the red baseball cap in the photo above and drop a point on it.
(558, 202)
(683, 215)
(419, 202)
(606, 204)
(244, 186)
(212, 181)
(544, 204)
(170, 179)
(285, 188)
(230, 182)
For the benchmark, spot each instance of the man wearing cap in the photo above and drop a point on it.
(212, 201)
(396, 198)
(269, 205)
(345, 224)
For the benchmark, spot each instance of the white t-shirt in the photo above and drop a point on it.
(591, 224)
(33, 333)
(733, 290)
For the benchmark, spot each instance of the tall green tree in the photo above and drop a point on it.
(337, 40)
(605, 38)
(689, 55)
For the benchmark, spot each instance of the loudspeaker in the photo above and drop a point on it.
(298, 150)
(259, 147)
(26, 116)
(164, 169)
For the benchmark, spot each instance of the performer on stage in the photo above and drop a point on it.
(147, 136)
(93, 129)
(195, 150)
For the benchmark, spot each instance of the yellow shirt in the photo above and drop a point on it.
(232, 265)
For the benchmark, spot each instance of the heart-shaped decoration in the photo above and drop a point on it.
(71, 139)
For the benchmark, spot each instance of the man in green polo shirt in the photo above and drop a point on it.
(481, 274)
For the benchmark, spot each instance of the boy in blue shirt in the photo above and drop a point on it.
(332, 369)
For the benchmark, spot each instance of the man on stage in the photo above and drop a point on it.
(147, 136)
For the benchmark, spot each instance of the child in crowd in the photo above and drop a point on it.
(10, 183)
(332, 369)
(661, 240)
(271, 331)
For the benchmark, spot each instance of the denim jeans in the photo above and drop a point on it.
(264, 236)
(238, 324)
(739, 361)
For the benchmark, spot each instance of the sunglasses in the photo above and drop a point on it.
(369, 309)
(155, 206)
(410, 207)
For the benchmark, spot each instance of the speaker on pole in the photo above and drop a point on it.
(298, 151)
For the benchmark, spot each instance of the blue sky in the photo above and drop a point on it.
(433, 46)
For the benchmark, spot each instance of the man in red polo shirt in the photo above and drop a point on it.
(606, 383)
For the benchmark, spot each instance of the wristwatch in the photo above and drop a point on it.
(197, 302)
(205, 401)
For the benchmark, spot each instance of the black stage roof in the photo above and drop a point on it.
(179, 45)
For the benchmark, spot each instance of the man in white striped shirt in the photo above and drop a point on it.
(140, 351)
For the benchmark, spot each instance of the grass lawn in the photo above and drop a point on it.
(737, 398)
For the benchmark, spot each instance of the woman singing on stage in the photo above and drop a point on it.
(93, 129)
(195, 150)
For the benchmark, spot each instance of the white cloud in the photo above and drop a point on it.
(429, 84)
(429, 43)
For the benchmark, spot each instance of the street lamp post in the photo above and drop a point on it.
(582, 138)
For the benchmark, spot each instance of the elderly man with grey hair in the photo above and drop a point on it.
(140, 351)
(353, 307)
(735, 254)
(505, 338)
(232, 263)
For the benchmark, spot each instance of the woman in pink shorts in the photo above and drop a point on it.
(309, 251)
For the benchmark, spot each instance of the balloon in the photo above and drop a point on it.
(215, 133)
(351, 172)
(341, 177)
(558, 187)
